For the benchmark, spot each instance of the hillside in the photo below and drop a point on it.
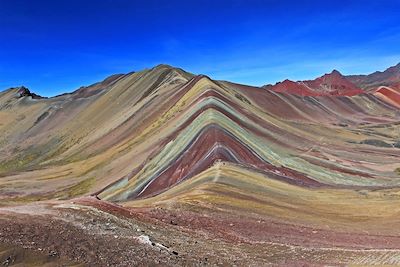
(389, 77)
(334, 84)
(270, 174)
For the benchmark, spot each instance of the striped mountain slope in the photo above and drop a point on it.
(323, 169)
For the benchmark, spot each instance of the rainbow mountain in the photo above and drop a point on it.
(304, 172)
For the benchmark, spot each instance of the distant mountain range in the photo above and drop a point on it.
(333, 83)
(337, 84)
(390, 77)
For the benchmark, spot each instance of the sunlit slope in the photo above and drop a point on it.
(217, 121)
(60, 144)
(245, 192)
(145, 133)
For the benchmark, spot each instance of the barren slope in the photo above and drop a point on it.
(204, 165)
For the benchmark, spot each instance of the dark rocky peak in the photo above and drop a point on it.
(23, 92)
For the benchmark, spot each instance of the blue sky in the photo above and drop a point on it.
(56, 46)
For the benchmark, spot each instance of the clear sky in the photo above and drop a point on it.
(56, 46)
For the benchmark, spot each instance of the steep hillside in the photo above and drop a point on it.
(164, 162)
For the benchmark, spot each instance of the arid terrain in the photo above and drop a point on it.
(162, 167)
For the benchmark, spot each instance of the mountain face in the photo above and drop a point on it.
(23, 91)
(334, 84)
(390, 77)
(290, 87)
(145, 168)
(389, 94)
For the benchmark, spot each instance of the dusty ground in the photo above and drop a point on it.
(88, 232)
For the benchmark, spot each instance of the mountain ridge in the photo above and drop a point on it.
(372, 81)
(333, 83)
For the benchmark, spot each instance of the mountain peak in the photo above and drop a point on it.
(23, 91)
(333, 83)
(336, 72)
(167, 67)
(164, 66)
(171, 69)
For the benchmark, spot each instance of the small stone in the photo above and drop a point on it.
(8, 261)
(53, 253)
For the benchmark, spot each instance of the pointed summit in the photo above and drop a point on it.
(335, 73)
(168, 70)
(23, 91)
(333, 83)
